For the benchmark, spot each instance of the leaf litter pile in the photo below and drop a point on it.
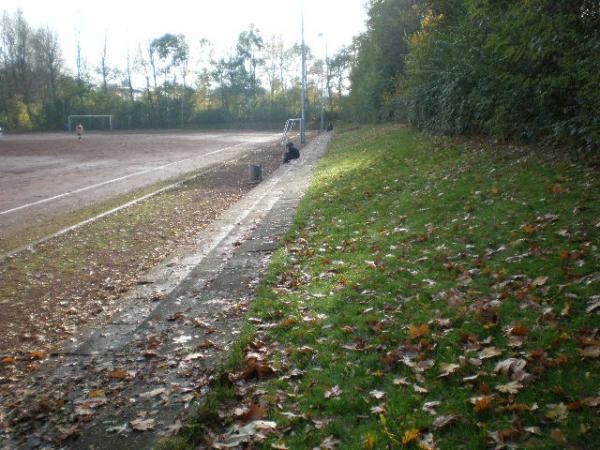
(431, 294)
(76, 280)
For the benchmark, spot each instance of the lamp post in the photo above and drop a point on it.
(324, 74)
(303, 95)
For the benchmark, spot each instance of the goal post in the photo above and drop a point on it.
(91, 121)
(287, 129)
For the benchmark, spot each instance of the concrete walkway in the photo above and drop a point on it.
(151, 364)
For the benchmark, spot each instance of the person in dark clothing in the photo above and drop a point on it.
(330, 126)
(292, 152)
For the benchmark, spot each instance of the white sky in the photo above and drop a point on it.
(128, 23)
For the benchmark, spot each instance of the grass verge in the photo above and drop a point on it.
(429, 295)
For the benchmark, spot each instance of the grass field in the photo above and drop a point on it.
(430, 295)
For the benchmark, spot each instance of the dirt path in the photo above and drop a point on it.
(125, 384)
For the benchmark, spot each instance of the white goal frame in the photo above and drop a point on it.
(289, 126)
(72, 118)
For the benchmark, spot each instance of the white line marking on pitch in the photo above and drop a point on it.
(77, 191)
(31, 245)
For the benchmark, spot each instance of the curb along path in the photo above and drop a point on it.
(133, 380)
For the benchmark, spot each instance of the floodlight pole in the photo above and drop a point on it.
(303, 96)
(321, 87)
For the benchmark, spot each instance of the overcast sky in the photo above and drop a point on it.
(127, 23)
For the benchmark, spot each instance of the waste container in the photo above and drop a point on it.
(255, 173)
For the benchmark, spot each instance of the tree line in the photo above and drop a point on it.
(526, 70)
(161, 86)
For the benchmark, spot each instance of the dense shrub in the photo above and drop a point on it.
(527, 70)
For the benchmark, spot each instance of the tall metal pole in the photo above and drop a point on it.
(303, 96)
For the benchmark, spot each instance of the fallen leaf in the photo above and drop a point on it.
(519, 330)
(418, 330)
(419, 389)
(510, 365)
(594, 305)
(119, 374)
(539, 281)
(444, 421)
(377, 394)
(172, 429)
(124, 428)
(255, 412)
(429, 407)
(534, 430)
(410, 435)
(153, 393)
(334, 392)
(558, 436)
(481, 403)
(510, 388)
(379, 409)
(97, 393)
(37, 354)
(330, 443)
(141, 424)
(448, 369)
(182, 339)
(592, 351)
(490, 352)
(306, 349)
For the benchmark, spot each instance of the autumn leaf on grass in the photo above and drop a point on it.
(378, 395)
(329, 443)
(410, 436)
(558, 436)
(306, 350)
(142, 424)
(510, 388)
(379, 409)
(593, 305)
(419, 389)
(557, 412)
(448, 369)
(444, 421)
(482, 403)
(417, 331)
(255, 412)
(429, 407)
(539, 281)
(289, 322)
(489, 352)
(592, 351)
(528, 228)
(333, 392)
(401, 381)
(510, 365)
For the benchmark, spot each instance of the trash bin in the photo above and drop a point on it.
(255, 173)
